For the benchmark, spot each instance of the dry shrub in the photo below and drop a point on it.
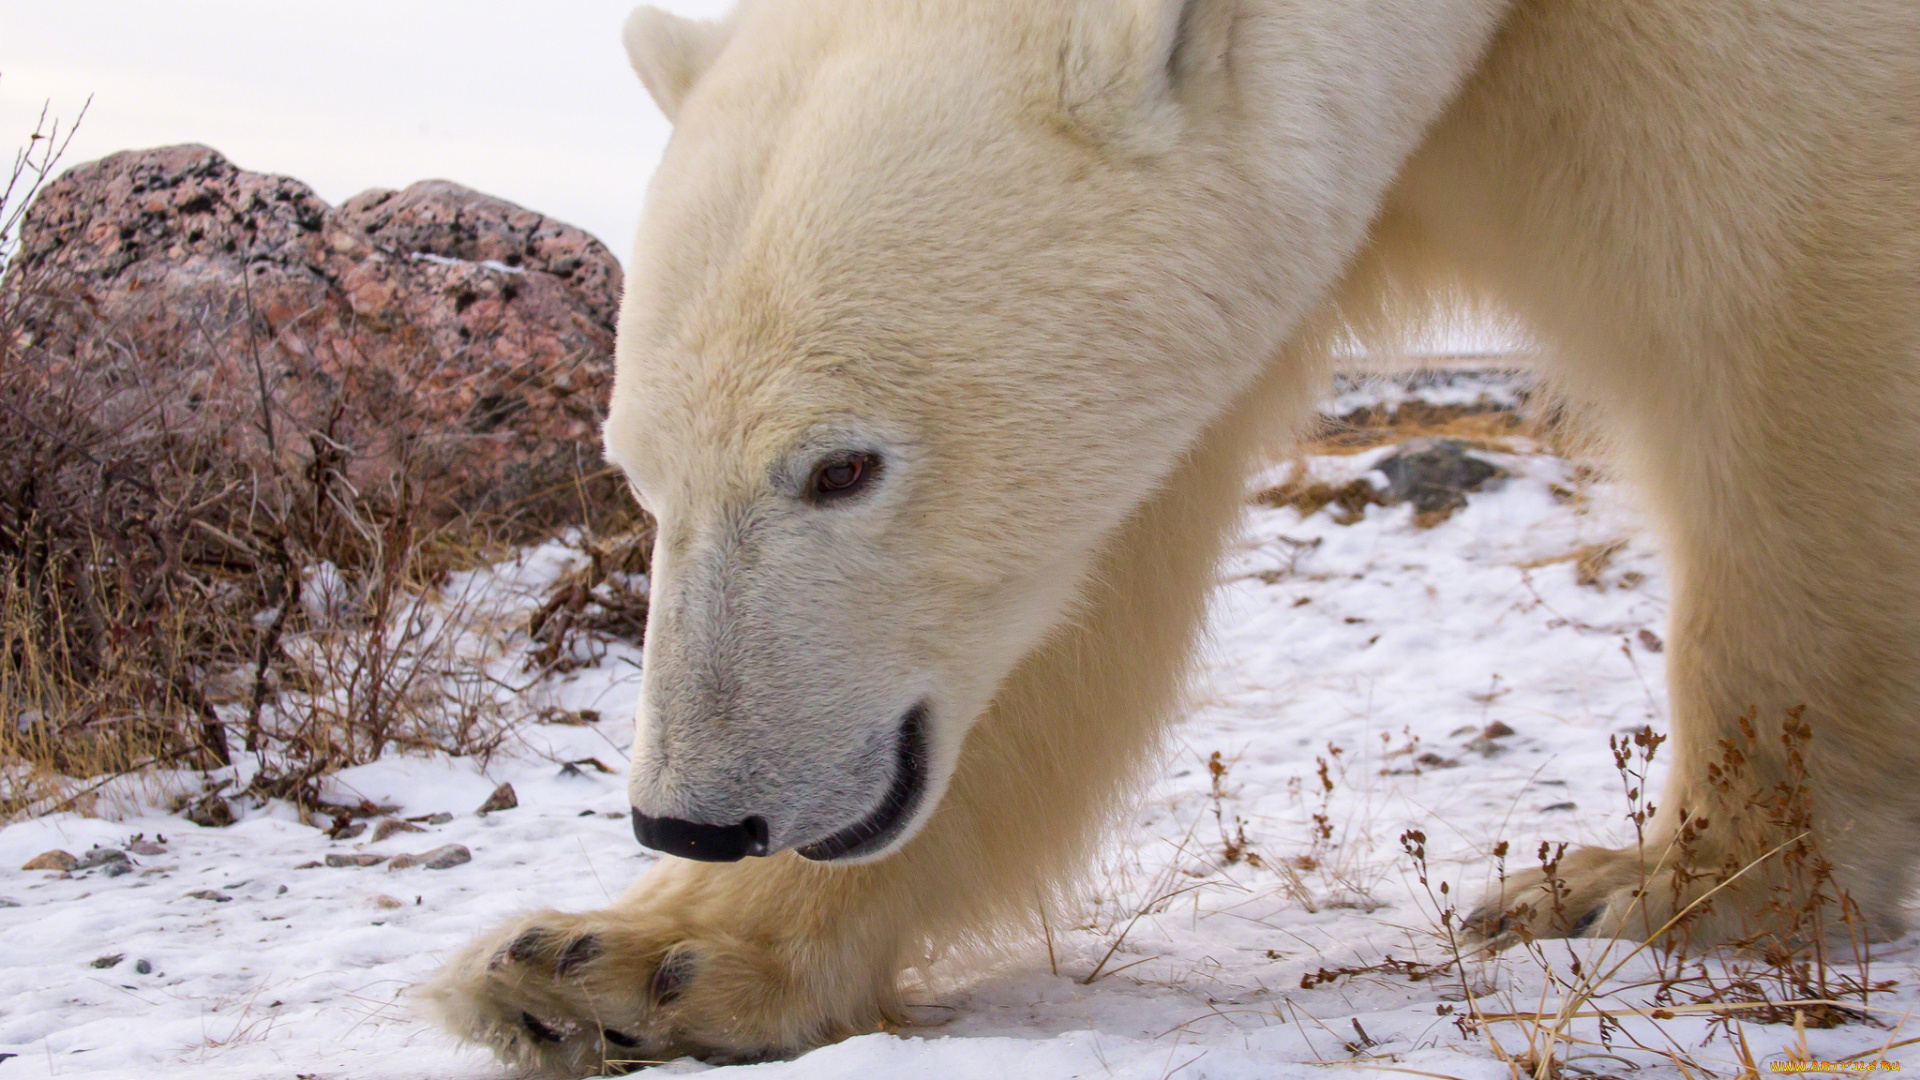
(1807, 941)
(605, 598)
(1802, 959)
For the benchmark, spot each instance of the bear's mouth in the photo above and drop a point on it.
(879, 828)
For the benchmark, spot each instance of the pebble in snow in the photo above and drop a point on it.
(502, 798)
(439, 858)
(101, 856)
(393, 825)
(52, 860)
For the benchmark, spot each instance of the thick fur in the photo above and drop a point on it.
(1065, 268)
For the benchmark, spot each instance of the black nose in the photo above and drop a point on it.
(697, 840)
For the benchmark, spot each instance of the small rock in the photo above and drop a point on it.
(209, 894)
(141, 846)
(8, 901)
(442, 858)
(1651, 642)
(1434, 475)
(1561, 806)
(52, 860)
(109, 961)
(1431, 760)
(314, 865)
(211, 812)
(385, 901)
(502, 798)
(102, 856)
(364, 859)
(141, 967)
(393, 825)
(1497, 730)
(115, 869)
(347, 832)
(439, 858)
(1484, 746)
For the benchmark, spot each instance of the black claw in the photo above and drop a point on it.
(539, 1031)
(1480, 922)
(527, 946)
(1585, 923)
(625, 1042)
(577, 955)
(670, 978)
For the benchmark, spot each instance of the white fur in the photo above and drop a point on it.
(669, 52)
(1067, 267)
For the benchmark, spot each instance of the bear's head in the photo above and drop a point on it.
(928, 297)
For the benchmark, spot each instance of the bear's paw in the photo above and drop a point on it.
(559, 994)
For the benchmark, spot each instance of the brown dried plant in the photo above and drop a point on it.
(191, 576)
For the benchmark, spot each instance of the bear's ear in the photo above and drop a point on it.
(1130, 57)
(670, 53)
(1202, 37)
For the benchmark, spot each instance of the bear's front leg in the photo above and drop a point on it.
(774, 955)
(730, 962)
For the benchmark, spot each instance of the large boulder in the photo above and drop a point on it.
(436, 333)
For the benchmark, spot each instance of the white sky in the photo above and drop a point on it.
(531, 102)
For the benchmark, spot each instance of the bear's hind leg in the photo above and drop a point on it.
(1778, 461)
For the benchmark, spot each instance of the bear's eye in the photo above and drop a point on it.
(842, 475)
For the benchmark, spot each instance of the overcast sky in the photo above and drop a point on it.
(531, 102)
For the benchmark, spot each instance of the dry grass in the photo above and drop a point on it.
(1539, 421)
(1481, 426)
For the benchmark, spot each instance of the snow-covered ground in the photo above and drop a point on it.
(1355, 675)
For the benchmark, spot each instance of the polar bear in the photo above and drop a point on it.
(955, 327)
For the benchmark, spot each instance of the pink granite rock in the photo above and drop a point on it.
(435, 332)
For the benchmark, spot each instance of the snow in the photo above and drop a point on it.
(1380, 648)
(495, 265)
